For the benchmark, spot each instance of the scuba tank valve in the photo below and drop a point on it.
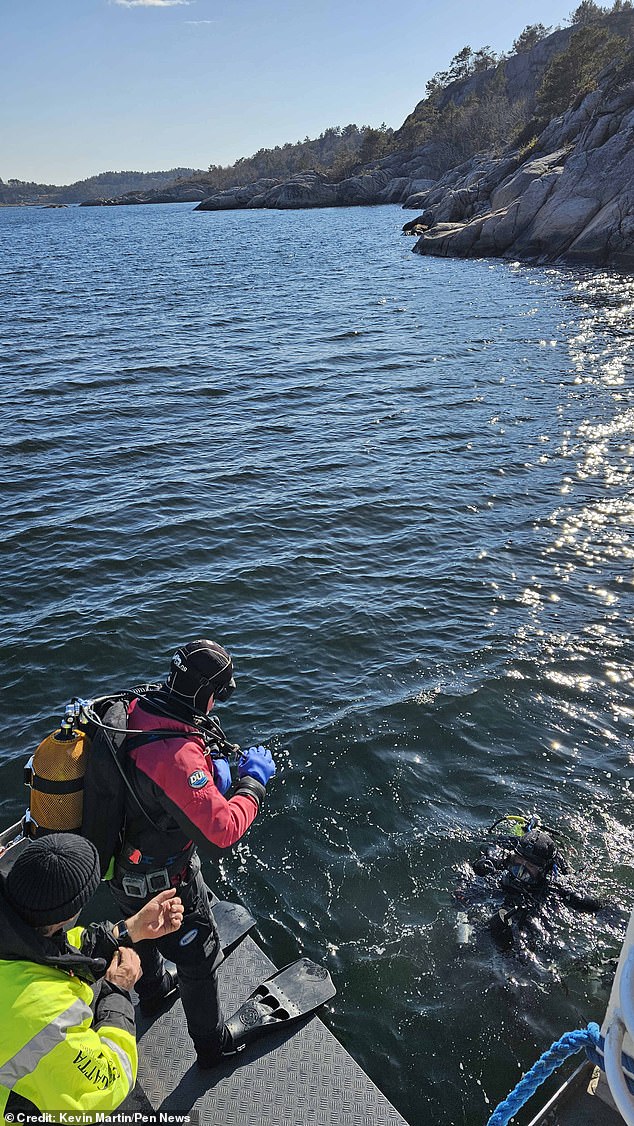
(463, 928)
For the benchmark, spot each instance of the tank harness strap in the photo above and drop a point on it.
(143, 737)
(137, 884)
(130, 742)
(53, 786)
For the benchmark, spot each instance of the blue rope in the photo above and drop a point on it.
(548, 1062)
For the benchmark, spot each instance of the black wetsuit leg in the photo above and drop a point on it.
(195, 950)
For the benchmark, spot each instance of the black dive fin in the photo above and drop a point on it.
(232, 921)
(289, 994)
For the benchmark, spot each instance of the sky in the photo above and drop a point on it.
(88, 86)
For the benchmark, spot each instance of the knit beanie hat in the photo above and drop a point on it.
(53, 878)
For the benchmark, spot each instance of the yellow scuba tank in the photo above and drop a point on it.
(55, 778)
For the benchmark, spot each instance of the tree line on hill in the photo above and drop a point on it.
(335, 152)
(468, 107)
(94, 187)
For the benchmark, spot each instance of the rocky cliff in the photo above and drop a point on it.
(401, 175)
(314, 189)
(571, 198)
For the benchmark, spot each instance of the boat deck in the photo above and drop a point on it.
(300, 1075)
(583, 1100)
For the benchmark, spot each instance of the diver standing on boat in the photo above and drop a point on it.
(68, 1036)
(176, 801)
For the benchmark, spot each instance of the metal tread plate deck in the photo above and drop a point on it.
(297, 1076)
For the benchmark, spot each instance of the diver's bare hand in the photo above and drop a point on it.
(162, 915)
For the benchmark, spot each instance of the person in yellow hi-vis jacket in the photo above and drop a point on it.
(67, 1029)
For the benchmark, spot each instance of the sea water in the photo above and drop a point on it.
(399, 489)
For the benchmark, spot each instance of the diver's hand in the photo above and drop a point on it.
(222, 774)
(124, 969)
(162, 915)
(257, 763)
(483, 866)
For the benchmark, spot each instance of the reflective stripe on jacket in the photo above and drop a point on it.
(50, 1053)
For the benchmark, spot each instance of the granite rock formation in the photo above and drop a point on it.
(571, 198)
(314, 189)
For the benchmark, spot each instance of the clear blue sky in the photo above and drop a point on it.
(93, 85)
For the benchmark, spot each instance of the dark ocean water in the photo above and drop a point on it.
(400, 491)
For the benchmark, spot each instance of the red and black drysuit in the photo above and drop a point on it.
(173, 780)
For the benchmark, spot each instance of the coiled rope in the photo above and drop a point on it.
(549, 1061)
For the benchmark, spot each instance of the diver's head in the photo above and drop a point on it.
(200, 673)
(537, 847)
(530, 864)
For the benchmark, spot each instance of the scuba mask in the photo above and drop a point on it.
(225, 691)
(522, 877)
(530, 864)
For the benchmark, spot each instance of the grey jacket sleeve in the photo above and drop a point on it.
(113, 1006)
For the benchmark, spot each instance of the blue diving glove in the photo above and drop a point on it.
(257, 763)
(222, 774)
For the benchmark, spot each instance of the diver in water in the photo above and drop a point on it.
(527, 870)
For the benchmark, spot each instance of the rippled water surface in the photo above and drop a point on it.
(400, 491)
